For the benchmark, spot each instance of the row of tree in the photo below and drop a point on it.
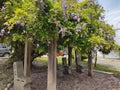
(46, 24)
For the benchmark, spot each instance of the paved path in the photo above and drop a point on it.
(112, 63)
(3, 59)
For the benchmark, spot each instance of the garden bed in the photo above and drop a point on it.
(76, 81)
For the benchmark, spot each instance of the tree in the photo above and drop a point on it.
(91, 36)
(68, 30)
(78, 24)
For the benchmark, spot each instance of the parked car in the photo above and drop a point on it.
(4, 50)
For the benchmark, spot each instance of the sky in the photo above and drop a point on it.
(112, 14)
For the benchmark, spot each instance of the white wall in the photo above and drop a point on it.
(117, 37)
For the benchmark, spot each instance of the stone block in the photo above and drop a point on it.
(20, 81)
(18, 69)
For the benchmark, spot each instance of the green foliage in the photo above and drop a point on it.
(20, 11)
(37, 22)
(79, 24)
(95, 33)
(84, 56)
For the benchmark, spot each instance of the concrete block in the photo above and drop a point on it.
(20, 81)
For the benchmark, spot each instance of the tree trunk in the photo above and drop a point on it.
(76, 58)
(95, 58)
(65, 66)
(51, 82)
(90, 63)
(79, 67)
(69, 55)
(27, 58)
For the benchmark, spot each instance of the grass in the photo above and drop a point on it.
(105, 68)
(84, 63)
(45, 59)
(42, 59)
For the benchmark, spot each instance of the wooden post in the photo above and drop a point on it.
(27, 58)
(51, 82)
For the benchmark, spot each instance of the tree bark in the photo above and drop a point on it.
(90, 63)
(69, 55)
(65, 66)
(76, 58)
(51, 82)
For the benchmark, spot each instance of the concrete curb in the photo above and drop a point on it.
(98, 71)
(110, 73)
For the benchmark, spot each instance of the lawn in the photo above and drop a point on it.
(84, 63)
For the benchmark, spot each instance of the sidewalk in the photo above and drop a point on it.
(112, 63)
(3, 60)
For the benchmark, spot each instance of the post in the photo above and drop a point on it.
(27, 59)
(18, 72)
(51, 82)
(20, 82)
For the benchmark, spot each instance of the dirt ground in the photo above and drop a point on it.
(76, 81)
(6, 74)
